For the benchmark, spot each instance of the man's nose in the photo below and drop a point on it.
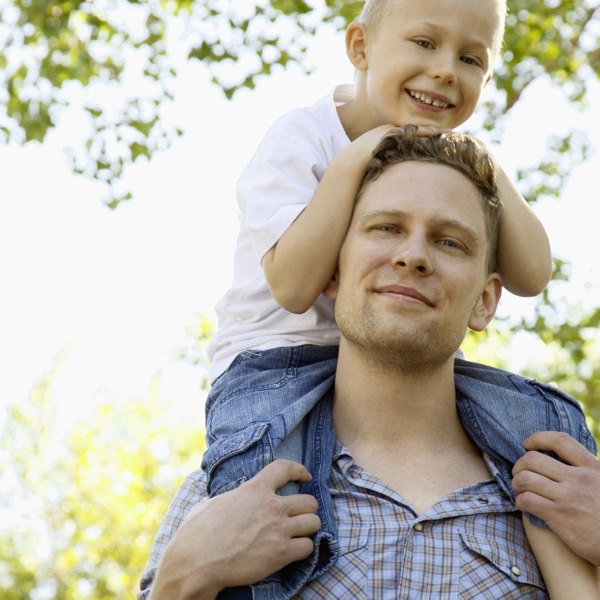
(413, 254)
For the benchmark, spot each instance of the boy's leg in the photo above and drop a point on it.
(255, 411)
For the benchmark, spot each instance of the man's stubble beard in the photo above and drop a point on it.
(400, 344)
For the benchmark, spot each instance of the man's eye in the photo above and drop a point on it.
(386, 228)
(449, 243)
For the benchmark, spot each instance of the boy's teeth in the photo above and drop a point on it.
(428, 100)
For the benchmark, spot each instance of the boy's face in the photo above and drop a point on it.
(429, 62)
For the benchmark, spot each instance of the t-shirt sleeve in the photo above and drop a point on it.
(279, 182)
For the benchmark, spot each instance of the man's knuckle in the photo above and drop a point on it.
(525, 500)
(274, 504)
(523, 479)
(563, 438)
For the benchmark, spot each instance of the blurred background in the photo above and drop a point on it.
(124, 127)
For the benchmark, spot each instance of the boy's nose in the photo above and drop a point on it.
(443, 69)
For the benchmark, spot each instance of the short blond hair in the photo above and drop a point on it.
(375, 11)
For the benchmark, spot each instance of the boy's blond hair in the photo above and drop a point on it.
(375, 11)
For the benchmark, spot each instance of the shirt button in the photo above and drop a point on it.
(483, 500)
(419, 527)
(515, 571)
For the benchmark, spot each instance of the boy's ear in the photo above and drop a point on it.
(356, 45)
(485, 308)
(331, 289)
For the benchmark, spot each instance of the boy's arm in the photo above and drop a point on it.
(566, 574)
(524, 256)
(301, 263)
(566, 495)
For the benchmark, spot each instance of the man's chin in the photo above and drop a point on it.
(414, 357)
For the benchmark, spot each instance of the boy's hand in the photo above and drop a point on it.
(430, 130)
(359, 152)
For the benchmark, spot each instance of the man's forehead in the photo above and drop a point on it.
(403, 183)
(434, 194)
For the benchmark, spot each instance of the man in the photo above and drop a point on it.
(411, 505)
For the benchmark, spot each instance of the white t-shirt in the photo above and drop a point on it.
(278, 182)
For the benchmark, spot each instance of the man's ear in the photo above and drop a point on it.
(356, 45)
(331, 289)
(485, 308)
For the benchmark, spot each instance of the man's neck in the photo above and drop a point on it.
(403, 428)
(379, 404)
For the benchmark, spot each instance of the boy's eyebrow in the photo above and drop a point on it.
(472, 42)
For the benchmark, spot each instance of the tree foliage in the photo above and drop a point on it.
(82, 517)
(47, 48)
(82, 512)
(563, 342)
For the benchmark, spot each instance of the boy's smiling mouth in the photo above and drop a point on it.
(425, 99)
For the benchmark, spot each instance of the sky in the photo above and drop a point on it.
(106, 296)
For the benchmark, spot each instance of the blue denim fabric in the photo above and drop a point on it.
(498, 409)
(255, 411)
(319, 448)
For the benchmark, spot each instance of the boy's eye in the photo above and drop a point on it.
(470, 60)
(424, 43)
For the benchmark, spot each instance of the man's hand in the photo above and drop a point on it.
(566, 496)
(239, 537)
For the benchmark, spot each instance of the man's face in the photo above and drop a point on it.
(412, 270)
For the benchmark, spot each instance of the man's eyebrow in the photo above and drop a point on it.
(439, 222)
(461, 225)
(383, 212)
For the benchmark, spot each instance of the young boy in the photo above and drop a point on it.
(424, 63)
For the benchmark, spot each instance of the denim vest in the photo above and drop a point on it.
(526, 406)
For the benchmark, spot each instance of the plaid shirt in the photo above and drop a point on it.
(469, 545)
(191, 491)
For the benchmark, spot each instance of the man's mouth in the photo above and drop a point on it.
(425, 99)
(409, 292)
